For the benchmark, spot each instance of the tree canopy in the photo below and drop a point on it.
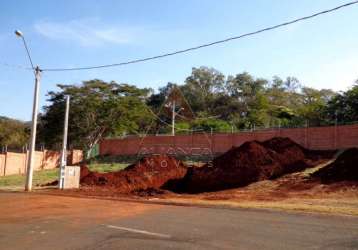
(217, 102)
(97, 109)
(13, 133)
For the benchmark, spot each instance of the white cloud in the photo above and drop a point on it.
(85, 32)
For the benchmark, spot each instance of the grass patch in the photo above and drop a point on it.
(107, 167)
(39, 177)
(130, 159)
(45, 176)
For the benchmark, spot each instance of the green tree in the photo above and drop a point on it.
(249, 97)
(98, 109)
(344, 106)
(13, 133)
(211, 124)
(313, 105)
(202, 87)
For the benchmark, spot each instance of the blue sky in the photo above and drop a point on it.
(321, 53)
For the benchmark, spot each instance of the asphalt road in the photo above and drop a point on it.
(49, 222)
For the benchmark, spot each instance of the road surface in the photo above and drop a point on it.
(37, 221)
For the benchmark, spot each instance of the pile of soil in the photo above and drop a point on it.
(149, 173)
(344, 168)
(253, 161)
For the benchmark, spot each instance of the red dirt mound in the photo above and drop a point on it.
(84, 171)
(344, 168)
(149, 173)
(252, 161)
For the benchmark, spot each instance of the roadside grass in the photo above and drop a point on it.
(107, 167)
(39, 177)
(46, 176)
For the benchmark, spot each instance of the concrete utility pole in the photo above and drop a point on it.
(64, 145)
(174, 114)
(30, 159)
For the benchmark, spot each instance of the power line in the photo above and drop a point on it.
(207, 44)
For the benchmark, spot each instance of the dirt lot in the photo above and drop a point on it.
(290, 192)
(277, 173)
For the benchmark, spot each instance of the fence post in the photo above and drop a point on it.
(233, 132)
(306, 134)
(279, 128)
(232, 137)
(335, 134)
(212, 139)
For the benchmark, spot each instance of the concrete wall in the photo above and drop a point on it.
(75, 157)
(51, 159)
(15, 163)
(2, 164)
(334, 137)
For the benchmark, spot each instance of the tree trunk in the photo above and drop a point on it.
(89, 152)
(92, 145)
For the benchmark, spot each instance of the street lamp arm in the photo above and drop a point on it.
(28, 52)
(20, 34)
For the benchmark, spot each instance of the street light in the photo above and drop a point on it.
(18, 33)
(30, 160)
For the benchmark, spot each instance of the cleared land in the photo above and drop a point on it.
(273, 174)
(292, 192)
(276, 174)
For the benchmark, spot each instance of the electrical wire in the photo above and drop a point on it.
(166, 123)
(207, 44)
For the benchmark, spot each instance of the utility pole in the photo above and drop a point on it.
(64, 145)
(335, 129)
(175, 103)
(30, 161)
(173, 118)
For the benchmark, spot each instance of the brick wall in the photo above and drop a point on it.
(334, 137)
(15, 163)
